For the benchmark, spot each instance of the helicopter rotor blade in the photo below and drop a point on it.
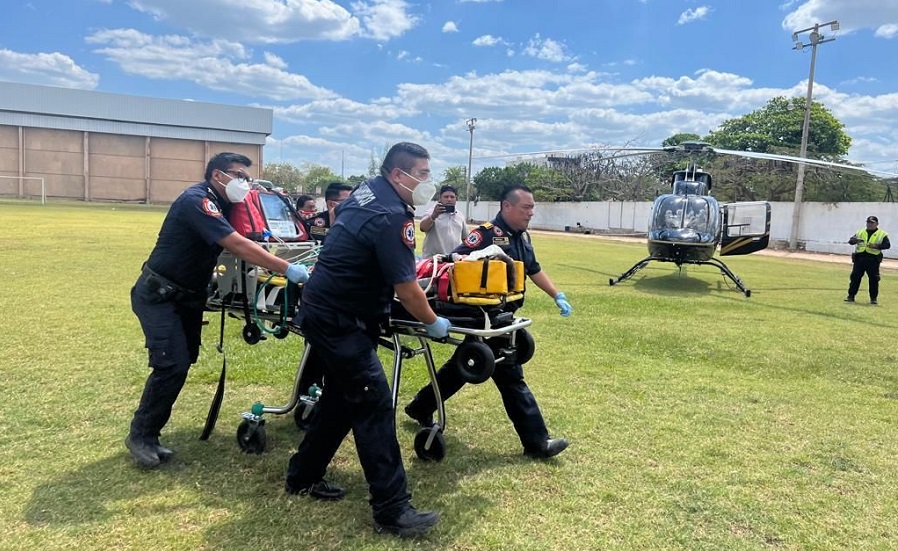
(800, 160)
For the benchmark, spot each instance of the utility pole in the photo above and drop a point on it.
(815, 38)
(471, 125)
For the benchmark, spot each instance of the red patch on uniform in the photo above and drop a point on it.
(497, 231)
(319, 222)
(210, 208)
(408, 233)
(474, 238)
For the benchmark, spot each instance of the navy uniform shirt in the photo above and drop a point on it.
(515, 244)
(369, 249)
(319, 225)
(187, 248)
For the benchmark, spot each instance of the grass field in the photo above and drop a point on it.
(699, 419)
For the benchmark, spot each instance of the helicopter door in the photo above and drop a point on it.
(746, 228)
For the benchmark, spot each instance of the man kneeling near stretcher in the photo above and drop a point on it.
(509, 231)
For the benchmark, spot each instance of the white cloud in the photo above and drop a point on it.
(852, 15)
(887, 31)
(256, 21)
(385, 19)
(274, 60)
(52, 69)
(546, 49)
(216, 64)
(691, 15)
(487, 40)
(450, 27)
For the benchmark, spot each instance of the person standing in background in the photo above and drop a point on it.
(869, 242)
(443, 226)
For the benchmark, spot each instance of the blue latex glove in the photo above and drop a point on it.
(563, 305)
(438, 329)
(297, 273)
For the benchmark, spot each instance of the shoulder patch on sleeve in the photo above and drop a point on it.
(408, 233)
(474, 238)
(498, 231)
(210, 208)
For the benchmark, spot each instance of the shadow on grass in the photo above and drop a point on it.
(244, 493)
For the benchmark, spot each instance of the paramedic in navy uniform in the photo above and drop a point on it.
(368, 257)
(170, 294)
(509, 231)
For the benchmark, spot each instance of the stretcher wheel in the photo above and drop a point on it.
(475, 361)
(282, 332)
(302, 415)
(436, 451)
(251, 333)
(525, 346)
(251, 436)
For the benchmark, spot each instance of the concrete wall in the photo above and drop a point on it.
(825, 227)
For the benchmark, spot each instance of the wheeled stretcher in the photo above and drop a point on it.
(475, 358)
(479, 304)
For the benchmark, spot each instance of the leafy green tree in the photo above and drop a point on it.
(285, 175)
(317, 177)
(776, 128)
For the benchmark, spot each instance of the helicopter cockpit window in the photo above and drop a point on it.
(697, 216)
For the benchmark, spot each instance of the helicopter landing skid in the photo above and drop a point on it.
(724, 270)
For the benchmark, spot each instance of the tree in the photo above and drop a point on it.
(455, 176)
(317, 177)
(776, 128)
(285, 175)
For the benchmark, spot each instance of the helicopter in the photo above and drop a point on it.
(688, 224)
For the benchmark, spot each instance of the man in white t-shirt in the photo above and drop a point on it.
(444, 227)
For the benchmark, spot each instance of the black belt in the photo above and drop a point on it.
(164, 287)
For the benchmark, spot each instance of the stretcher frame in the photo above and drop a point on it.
(237, 281)
(430, 444)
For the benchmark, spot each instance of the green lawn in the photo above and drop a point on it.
(698, 419)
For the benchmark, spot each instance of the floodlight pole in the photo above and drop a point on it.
(471, 125)
(815, 39)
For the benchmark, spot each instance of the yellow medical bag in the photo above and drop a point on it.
(486, 282)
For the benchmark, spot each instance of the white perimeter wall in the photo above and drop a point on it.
(825, 227)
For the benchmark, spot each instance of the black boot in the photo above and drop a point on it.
(409, 524)
(423, 419)
(159, 395)
(143, 452)
(321, 490)
(549, 448)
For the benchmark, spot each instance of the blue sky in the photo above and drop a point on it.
(347, 78)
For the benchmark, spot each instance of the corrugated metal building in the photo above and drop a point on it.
(96, 146)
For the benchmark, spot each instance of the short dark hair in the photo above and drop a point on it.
(446, 188)
(508, 190)
(302, 199)
(402, 156)
(223, 161)
(332, 193)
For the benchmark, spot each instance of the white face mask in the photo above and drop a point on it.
(423, 192)
(236, 189)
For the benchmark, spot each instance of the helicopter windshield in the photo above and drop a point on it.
(691, 215)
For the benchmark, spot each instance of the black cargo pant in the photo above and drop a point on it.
(508, 376)
(172, 326)
(864, 263)
(357, 398)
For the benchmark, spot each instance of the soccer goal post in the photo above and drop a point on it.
(19, 190)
